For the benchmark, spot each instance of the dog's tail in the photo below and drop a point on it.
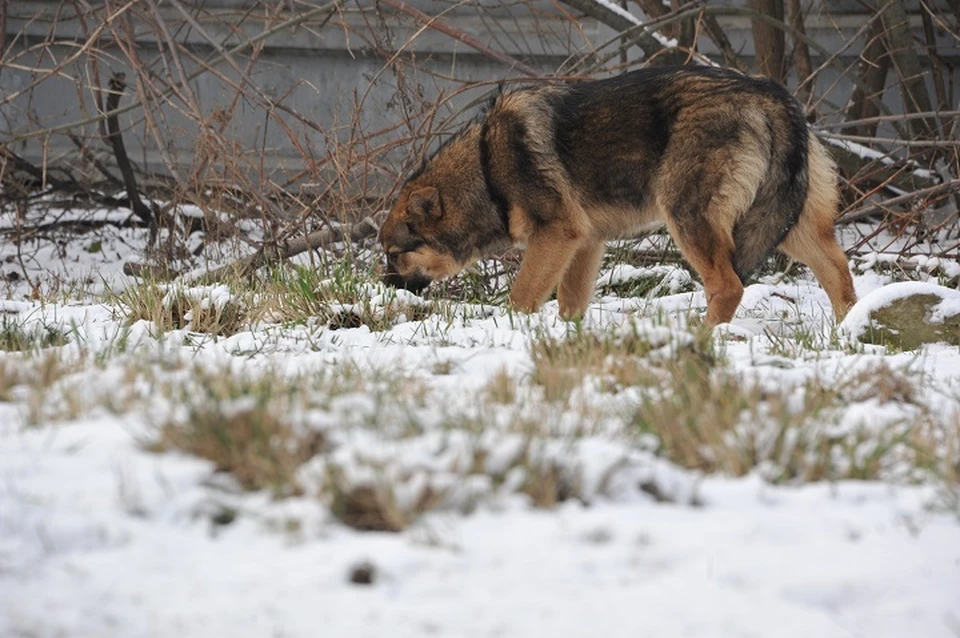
(780, 199)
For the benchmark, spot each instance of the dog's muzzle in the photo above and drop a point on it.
(414, 283)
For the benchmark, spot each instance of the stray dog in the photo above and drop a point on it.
(725, 161)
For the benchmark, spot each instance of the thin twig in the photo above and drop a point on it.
(470, 41)
(889, 140)
(880, 207)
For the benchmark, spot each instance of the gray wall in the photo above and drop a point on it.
(323, 73)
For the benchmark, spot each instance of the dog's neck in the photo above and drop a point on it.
(496, 195)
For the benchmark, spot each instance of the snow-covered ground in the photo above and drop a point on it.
(100, 536)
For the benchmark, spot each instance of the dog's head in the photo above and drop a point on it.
(413, 239)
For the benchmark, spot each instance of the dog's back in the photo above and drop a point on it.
(672, 143)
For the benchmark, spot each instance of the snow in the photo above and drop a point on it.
(101, 537)
(858, 319)
(83, 556)
(868, 153)
(623, 13)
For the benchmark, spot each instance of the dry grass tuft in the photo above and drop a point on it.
(210, 310)
(244, 426)
(374, 508)
(502, 388)
(714, 421)
(16, 336)
(549, 483)
(618, 361)
(11, 376)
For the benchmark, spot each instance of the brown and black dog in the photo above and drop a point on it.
(725, 161)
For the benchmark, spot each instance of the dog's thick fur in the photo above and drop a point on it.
(726, 161)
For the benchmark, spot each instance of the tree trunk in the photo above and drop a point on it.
(913, 88)
(768, 40)
(801, 53)
(873, 67)
(686, 34)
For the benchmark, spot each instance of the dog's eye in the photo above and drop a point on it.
(412, 240)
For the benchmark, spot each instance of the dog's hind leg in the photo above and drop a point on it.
(820, 251)
(700, 206)
(577, 285)
(711, 255)
(550, 251)
(812, 241)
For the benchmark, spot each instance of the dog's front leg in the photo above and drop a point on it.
(578, 283)
(549, 253)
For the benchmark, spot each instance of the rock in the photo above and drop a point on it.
(906, 315)
(364, 573)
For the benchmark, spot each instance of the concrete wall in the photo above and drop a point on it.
(331, 75)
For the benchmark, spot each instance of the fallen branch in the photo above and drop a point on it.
(40, 175)
(273, 254)
(875, 171)
(898, 117)
(861, 139)
(26, 233)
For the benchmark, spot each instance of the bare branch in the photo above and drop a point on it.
(117, 85)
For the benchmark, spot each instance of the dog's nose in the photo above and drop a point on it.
(414, 284)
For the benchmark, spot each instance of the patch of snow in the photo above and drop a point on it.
(623, 13)
(858, 319)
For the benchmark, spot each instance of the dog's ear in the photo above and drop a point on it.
(424, 203)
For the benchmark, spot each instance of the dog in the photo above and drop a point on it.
(725, 161)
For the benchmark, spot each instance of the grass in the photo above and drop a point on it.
(242, 424)
(44, 385)
(715, 421)
(383, 446)
(311, 434)
(338, 295)
(19, 336)
(616, 360)
(656, 281)
(213, 310)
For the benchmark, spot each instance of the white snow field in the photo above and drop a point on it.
(531, 514)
